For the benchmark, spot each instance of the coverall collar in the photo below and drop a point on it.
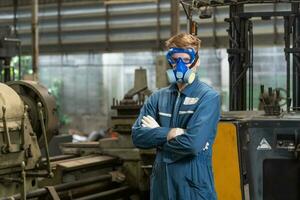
(187, 91)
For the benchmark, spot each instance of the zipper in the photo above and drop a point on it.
(174, 118)
(175, 110)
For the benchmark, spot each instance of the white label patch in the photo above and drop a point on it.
(190, 101)
(165, 114)
(206, 146)
(264, 145)
(182, 112)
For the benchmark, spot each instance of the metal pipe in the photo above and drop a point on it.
(19, 63)
(107, 28)
(23, 175)
(23, 127)
(287, 55)
(238, 65)
(189, 19)
(296, 58)
(63, 187)
(88, 190)
(158, 25)
(41, 118)
(15, 16)
(6, 132)
(251, 41)
(115, 193)
(38, 174)
(250, 66)
(175, 16)
(35, 39)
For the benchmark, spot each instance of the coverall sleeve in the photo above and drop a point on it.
(144, 137)
(200, 129)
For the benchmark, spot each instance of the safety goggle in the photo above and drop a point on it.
(191, 52)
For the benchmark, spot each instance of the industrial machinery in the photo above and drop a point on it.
(240, 51)
(136, 163)
(28, 121)
(255, 155)
(19, 144)
(272, 101)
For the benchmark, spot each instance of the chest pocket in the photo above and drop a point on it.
(165, 108)
(164, 116)
(185, 113)
(188, 109)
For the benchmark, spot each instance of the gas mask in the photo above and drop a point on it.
(180, 73)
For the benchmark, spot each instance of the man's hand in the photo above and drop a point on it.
(149, 122)
(174, 132)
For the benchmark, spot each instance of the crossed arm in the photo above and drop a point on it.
(149, 122)
(146, 132)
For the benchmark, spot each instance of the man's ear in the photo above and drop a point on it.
(197, 65)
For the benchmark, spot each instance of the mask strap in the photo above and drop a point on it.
(195, 61)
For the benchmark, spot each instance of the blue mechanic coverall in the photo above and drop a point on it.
(182, 169)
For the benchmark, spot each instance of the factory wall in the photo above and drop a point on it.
(88, 82)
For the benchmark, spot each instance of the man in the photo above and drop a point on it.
(180, 122)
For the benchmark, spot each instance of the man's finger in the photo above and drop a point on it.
(147, 119)
(144, 122)
(177, 134)
(153, 121)
(179, 131)
(143, 125)
(151, 118)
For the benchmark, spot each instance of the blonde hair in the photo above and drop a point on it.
(184, 40)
